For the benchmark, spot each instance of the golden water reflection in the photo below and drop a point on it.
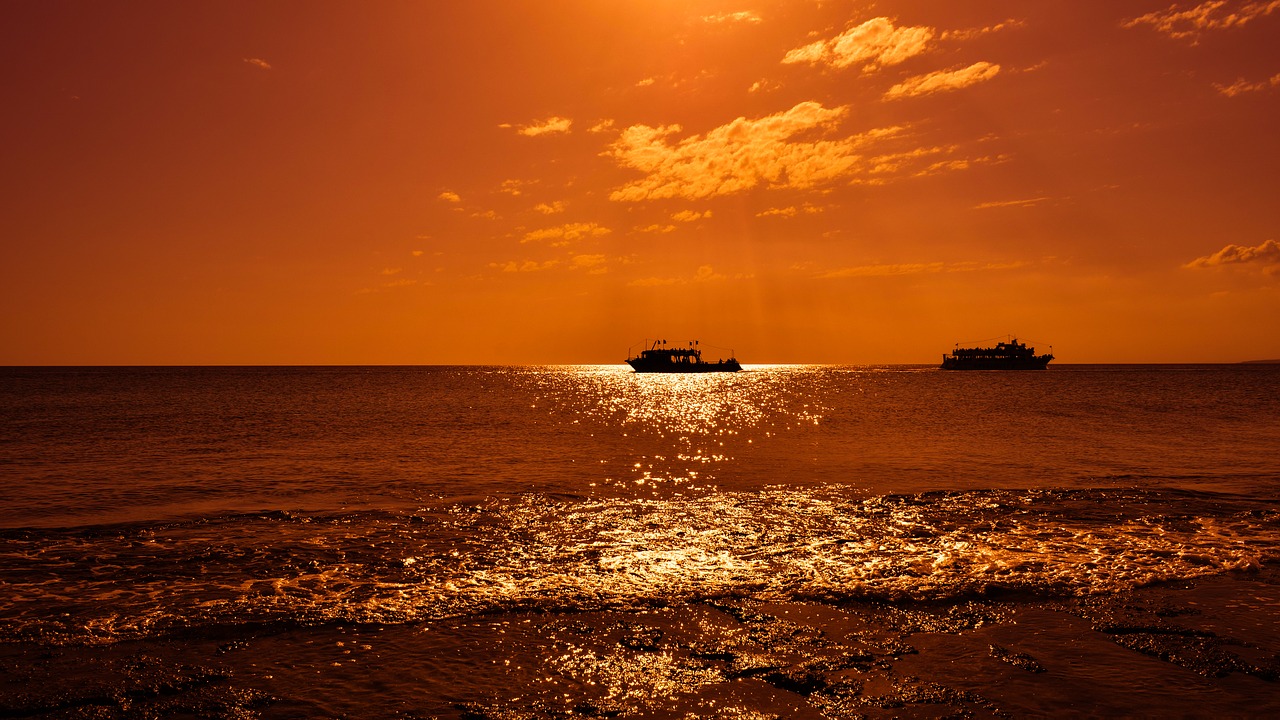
(690, 424)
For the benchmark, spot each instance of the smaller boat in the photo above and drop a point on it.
(658, 358)
(1011, 355)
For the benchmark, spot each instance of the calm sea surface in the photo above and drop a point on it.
(146, 503)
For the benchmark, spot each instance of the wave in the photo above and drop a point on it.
(538, 552)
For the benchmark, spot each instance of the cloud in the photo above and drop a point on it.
(525, 267)
(971, 33)
(687, 216)
(258, 62)
(873, 44)
(392, 271)
(744, 16)
(704, 273)
(514, 188)
(551, 209)
(449, 197)
(551, 125)
(1242, 86)
(593, 264)
(790, 211)
(944, 80)
(564, 234)
(655, 228)
(1009, 203)
(736, 157)
(895, 269)
(907, 163)
(1211, 15)
(392, 285)
(602, 126)
(1266, 255)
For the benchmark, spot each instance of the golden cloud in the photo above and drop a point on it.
(893, 269)
(1028, 202)
(690, 216)
(744, 16)
(656, 228)
(1211, 15)
(944, 80)
(549, 126)
(704, 273)
(971, 33)
(450, 197)
(736, 157)
(524, 267)
(1242, 86)
(1267, 255)
(790, 211)
(565, 234)
(593, 264)
(258, 62)
(873, 44)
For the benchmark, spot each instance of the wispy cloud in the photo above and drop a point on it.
(593, 264)
(259, 63)
(657, 229)
(1212, 15)
(704, 273)
(550, 126)
(1242, 86)
(1028, 202)
(564, 234)
(527, 266)
(389, 286)
(944, 80)
(687, 216)
(449, 197)
(734, 157)
(549, 209)
(971, 33)
(873, 44)
(513, 187)
(744, 16)
(1266, 256)
(790, 211)
(894, 269)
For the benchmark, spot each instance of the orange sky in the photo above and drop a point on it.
(552, 182)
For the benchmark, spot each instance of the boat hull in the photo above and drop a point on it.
(642, 365)
(1033, 363)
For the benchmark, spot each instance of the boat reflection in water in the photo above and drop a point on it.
(1011, 355)
(658, 358)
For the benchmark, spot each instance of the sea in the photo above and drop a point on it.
(583, 541)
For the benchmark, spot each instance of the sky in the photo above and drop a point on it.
(318, 182)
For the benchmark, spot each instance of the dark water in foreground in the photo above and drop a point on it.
(624, 535)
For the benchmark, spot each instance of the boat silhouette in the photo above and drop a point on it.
(658, 358)
(1011, 355)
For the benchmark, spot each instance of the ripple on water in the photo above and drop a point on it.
(545, 553)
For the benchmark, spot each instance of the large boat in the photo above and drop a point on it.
(658, 358)
(1011, 355)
